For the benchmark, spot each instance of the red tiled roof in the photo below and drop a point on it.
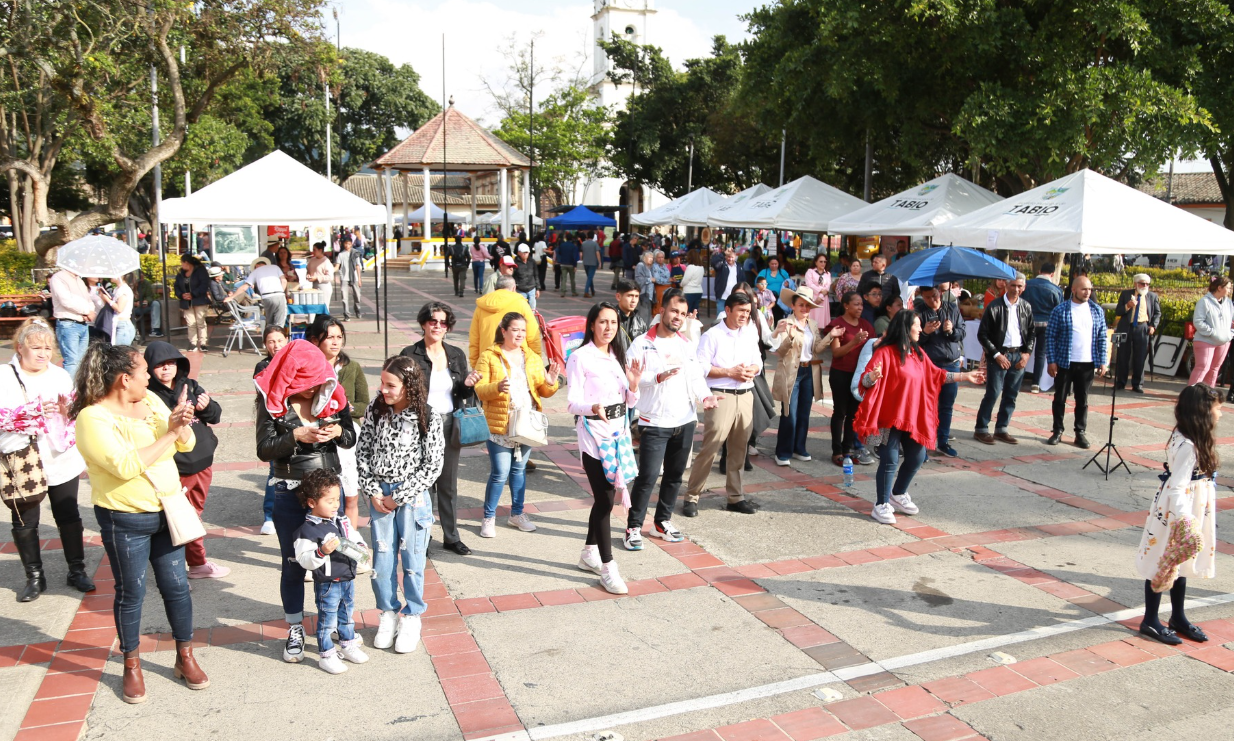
(468, 145)
(371, 189)
(1188, 189)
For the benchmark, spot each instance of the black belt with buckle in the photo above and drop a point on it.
(612, 411)
(734, 392)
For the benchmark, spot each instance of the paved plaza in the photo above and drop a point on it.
(1005, 610)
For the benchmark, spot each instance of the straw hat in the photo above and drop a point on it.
(788, 295)
(260, 261)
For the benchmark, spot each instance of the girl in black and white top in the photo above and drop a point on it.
(399, 456)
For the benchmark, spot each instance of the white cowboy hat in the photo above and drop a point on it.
(788, 295)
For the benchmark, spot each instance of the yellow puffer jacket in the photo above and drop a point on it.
(493, 367)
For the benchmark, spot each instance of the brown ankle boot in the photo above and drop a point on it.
(186, 667)
(134, 682)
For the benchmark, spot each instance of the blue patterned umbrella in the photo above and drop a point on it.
(945, 264)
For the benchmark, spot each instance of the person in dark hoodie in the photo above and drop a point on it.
(169, 375)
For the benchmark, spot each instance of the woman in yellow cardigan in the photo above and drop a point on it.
(128, 438)
(511, 377)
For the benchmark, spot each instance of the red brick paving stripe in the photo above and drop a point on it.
(739, 587)
(862, 713)
(910, 702)
(753, 730)
(707, 735)
(57, 710)
(460, 665)
(485, 715)
(59, 732)
(957, 691)
(559, 597)
(511, 602)
(807, 636)
(1218, 656)
(1084, 662)
(940, 728)
(809, 724)
(1001, 680)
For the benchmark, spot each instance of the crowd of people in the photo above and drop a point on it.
(139, 426)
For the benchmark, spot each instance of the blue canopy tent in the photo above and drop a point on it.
(946, 264)
(580, 218)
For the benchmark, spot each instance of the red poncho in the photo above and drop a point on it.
(300, 366)
(906, 397)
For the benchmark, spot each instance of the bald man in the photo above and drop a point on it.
(1075, 348)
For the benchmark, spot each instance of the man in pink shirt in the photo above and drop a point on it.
(74, 311)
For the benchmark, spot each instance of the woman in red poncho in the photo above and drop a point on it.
(900, 409)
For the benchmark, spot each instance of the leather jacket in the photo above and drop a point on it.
(292, 459)
(992, 332)
(456, 364)
(630, 328)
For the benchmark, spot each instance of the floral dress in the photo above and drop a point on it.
(1183, 494)
(844, 284)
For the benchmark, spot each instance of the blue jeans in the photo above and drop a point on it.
(288, 517)
(505, 467)
(336, 600)
(530, 296)
(889, 461)
(73, 339)
(795, 419)
(267, 503)
(133, 540)
(590, 286)
(477, 274)
(124, 332)
(946, 405)
(999, 383)
(404, 534)
(692, 301)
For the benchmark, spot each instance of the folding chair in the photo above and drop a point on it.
(245, 319)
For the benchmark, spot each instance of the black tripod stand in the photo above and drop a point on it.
(1109, 448)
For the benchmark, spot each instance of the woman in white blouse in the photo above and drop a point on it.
(601, 385)
(36, 397)
(121, 302)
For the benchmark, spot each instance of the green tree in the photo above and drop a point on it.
(370, 100)
(78, 83)
(1214, 92)
(569, 130)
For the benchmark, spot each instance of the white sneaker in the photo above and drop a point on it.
(1036, 389)
(267, 527)
(904, 503)
(408, 634)
(589, 560)
(488, 528)
(522, 522)
(883, 513)
(802, 457)
(386, 627)
(353, 653)
(668, 532)
(331, 663)
(293, 652)
(783, 462)
(611, 580)
(634, 539)
(751, 450)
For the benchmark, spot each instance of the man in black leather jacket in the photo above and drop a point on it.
(630, 321)
(1006, 334)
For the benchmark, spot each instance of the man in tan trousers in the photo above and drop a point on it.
(729, 354)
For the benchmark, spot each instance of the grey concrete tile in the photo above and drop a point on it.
(1128, 492)
(48, 617)
(18, 685)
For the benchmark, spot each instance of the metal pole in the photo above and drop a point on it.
(325, 89)
(690, 177)
(385, 256)
(445, 162)
(158, 199)
(783, 141)
(869, 165)
(531, 134)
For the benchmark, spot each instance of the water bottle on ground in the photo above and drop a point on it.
(848, 471)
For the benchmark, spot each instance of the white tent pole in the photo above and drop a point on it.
(428, 205)
(527, 214)
(406, 198)
(503, 189)
(471, 185)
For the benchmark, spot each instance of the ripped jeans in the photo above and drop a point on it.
(404, 534)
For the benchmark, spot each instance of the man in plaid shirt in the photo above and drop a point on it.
(1075, 348)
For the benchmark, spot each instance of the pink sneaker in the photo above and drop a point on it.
(208, 570)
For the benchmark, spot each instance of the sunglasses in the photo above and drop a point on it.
(437, 322)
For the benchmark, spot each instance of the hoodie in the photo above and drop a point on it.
(489, 311)
(201, 456)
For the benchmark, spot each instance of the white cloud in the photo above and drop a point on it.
(475, 31)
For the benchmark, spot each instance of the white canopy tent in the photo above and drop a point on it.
(916, 211)
(701, 200)
(1089, 213)
(517, 217)
(275, 189)
(417, 216)
(698, 214)
(804, 205)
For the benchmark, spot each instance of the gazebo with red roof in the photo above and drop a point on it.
(453, 142)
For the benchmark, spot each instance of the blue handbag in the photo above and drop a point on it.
(470, 425)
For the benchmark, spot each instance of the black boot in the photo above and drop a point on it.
(75, 555)
(27, 542)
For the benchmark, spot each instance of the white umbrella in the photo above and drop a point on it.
(96, 256)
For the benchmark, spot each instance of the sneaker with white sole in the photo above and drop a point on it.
(267, 527)
(883, 513)
(589, 559)
(293, 651)
(668, 532)
(331, 663)
(208, 570)
(800, 457)
(351, 651)
(634, 539)
(488, 528)
(751, 450)
(904, 503)
(783, 462)
(611, 579)
(865, 457)
(522, 522)
(408, 634)
(387, 625)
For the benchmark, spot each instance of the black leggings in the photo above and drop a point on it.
(599, 532)
(63, 498)
(1152, 603)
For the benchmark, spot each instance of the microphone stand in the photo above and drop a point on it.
(1109, 448)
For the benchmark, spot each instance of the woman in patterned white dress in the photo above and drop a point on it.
(1180, 534)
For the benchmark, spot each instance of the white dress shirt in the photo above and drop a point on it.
(1013, 338)
(671, 403)
(721, 347)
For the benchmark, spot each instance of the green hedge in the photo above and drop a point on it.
(150, 268)
(15, 267)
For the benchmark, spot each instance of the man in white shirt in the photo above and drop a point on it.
(270, 284)
(728, 275)
(672, 386)
(321, 272)
(350, 265)
(729, 356)
(1007, 337)
(1075, 348)
(74, 311)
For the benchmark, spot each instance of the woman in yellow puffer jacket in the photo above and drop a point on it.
(511, 377)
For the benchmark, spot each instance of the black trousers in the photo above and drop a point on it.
(460, 279)
(599, 532)
(669, 446)
(1133, 353)
(63, 499)
(541, 271)
(843, 438)
(1077, 379)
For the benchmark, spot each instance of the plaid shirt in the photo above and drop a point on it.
(1058, 335)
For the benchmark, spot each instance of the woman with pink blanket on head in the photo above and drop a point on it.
(602, 385)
